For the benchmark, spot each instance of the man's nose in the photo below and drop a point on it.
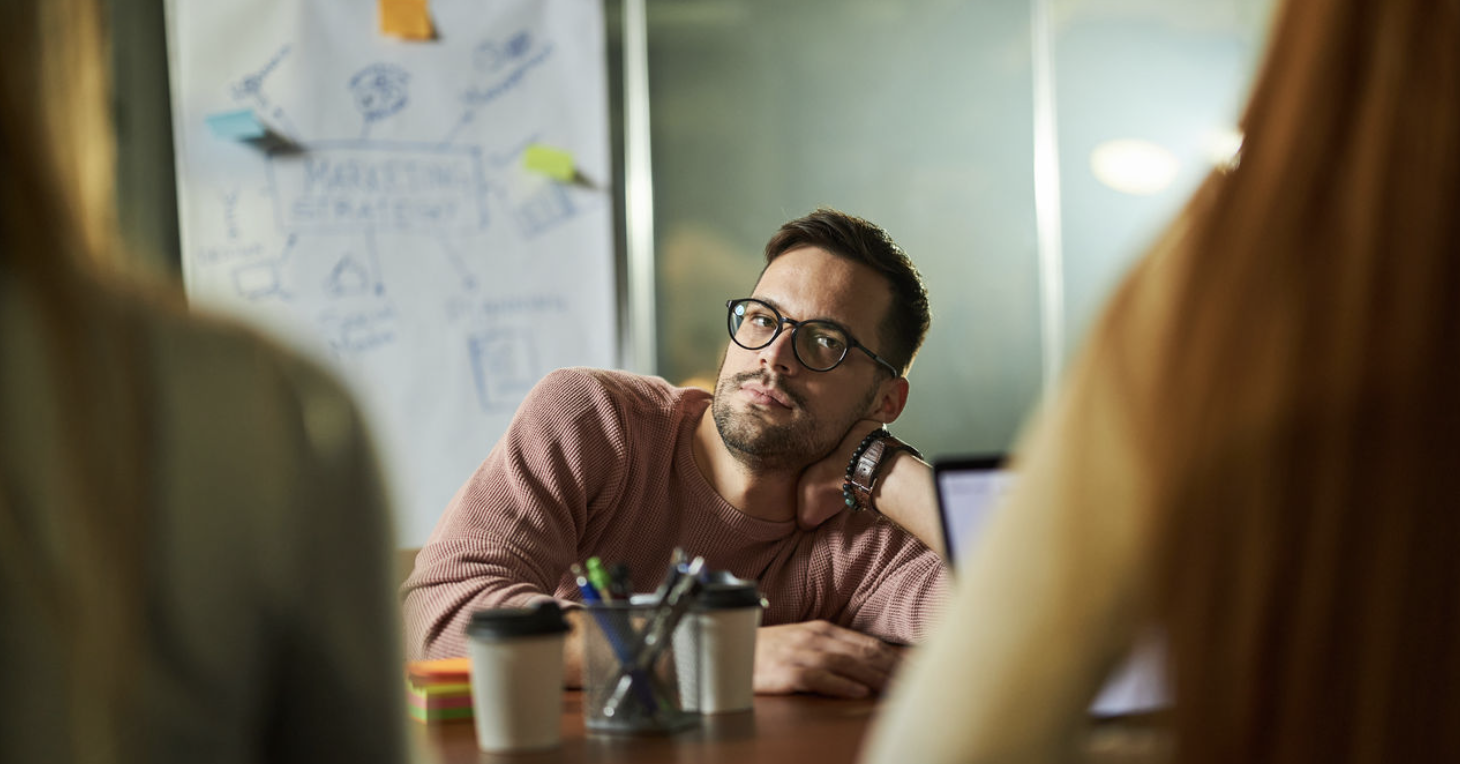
(780, 355)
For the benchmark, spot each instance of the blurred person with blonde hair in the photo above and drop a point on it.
(193, 545)
(1256, 451)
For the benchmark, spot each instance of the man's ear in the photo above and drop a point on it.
(890, 400)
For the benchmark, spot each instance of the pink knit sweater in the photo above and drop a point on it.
(600, 463)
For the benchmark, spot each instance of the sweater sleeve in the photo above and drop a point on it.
(882, 580)
(509, 535)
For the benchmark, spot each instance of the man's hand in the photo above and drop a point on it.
(821, 658)
(819, 493)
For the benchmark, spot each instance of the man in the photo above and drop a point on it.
(627, 468)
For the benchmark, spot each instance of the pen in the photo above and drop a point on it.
(667, 614)
(585, 587)
(619, 581)
(635, 677)
(598, 577)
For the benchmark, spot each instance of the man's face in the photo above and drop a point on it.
(774, 413)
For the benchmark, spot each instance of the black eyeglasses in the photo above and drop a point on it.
(819, 345)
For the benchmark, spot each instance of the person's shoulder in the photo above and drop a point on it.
(235, 347)
(622, 390)
(240, 376)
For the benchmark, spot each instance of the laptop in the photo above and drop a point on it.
(970, 488)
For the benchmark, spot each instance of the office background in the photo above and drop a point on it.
(1024, 152)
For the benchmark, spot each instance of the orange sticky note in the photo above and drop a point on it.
(408, 19)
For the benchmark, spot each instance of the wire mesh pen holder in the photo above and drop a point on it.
(630, 682)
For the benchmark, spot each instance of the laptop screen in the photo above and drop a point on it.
(970, 488)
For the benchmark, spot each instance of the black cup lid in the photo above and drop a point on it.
(512, 622)
(722, 591)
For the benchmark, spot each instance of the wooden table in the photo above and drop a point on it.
(783, 728)
(791, 728)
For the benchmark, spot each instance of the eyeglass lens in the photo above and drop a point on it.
(818, 344)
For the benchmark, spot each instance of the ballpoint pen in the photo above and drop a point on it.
(619, 580)
(613, 633)
(599, 578)
(656, 635)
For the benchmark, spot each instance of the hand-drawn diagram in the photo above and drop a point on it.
(393, 229)
(504, 366)
(353, 187)
(347, 186)
(380, 91)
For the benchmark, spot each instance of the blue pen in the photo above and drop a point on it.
(625, 655)
(585, 587)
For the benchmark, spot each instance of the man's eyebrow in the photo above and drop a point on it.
(828, 319)
(770, 302)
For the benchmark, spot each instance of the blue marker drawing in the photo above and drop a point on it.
(504, 366)
(467, 280)
(355, 186)
(375, 261)
(518, 46)
(229, 252)
(492, 58)
(535, 204)
(257, 281)
(380, 90)
(230, 213)
(260, 280)
(252, 88)
(355, 332)
(348, 278)
(544, 210)
(491, 55)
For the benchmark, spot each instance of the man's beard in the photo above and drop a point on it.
(781, 447)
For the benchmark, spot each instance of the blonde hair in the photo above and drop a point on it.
(57, 223)
(1302, 440)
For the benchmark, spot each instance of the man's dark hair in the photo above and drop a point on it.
(906, 323)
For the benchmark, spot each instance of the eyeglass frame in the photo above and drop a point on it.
(852, 342)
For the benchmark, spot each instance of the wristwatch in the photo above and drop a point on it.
(862, 471)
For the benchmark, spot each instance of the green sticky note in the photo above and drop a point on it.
(554, 163)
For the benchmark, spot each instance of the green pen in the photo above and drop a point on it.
(598, 577)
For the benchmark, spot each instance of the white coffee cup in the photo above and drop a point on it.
(717, 642)
(517, 676)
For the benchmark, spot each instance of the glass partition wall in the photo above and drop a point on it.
(930, 117)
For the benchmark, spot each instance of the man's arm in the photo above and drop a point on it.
(509, 535)
(904, 490)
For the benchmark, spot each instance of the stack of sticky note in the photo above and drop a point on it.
(440, 690)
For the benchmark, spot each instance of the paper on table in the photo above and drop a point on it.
(441, 670)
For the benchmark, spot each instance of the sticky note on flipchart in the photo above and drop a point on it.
(240, 125)
(407, 19)
(554, 163)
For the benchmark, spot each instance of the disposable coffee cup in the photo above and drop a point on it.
(717, 642)
(517, 676)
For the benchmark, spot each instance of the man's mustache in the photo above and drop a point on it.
(768, 380)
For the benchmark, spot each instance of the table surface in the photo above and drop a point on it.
(790, 728)
(784, 728)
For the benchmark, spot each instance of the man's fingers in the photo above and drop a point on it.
(822, 657)
(848, 667)
(860, 647)
(866, 647)
(824, 682)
